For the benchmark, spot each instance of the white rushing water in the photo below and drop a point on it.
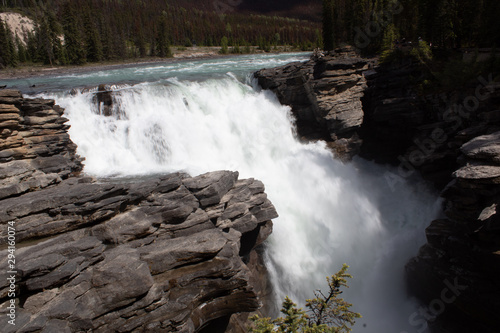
(330, 213)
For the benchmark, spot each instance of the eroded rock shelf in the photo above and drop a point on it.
(163, 254)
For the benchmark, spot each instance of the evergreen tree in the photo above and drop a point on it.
(31, 49)
(21, 51)
(73, 41)
(140, 42)
(327, 313)
(162, 44)
(443, 23)
(319, 40)
(5, 51)
(224, 45)
(44, 47)
(93, 43)
(12, 47)
(106, 38)
(55, 31)
(120, 44)
(390, 36)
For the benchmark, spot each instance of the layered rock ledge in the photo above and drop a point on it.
(164, 254)
(463, 249)
(325, 97)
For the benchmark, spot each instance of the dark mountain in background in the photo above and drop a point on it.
(305, 10)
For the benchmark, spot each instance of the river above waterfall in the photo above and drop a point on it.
(130, 74)
(205, 115)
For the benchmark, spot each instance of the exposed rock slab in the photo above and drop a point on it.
(485, 147)
(325, 96)
(165, 254)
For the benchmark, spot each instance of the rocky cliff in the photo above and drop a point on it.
(451, 137)
(325, 97)
(163, 254)
(457, 272)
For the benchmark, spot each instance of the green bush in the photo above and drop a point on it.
(224, 45)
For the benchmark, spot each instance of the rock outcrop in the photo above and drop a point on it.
(450, 138)
(325, 97)
(35, 148)
(464, 248)
(423, 132)
(103, 99)
(163, 254)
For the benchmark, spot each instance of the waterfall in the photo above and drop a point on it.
(330, 213)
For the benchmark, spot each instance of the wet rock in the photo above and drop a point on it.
(104, 100)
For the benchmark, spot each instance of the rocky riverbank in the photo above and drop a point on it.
(450, 137)
(163, 254)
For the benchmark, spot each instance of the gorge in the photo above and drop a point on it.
(450, 137)
(136, 214)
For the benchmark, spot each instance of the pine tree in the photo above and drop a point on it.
(44, 47)
(162, 44)
(31, 50)
(55, 31)
(93, 43)
(73, 41)
(106, 39)
(5, 51)
(12, 48)
(140, 42)
(21, 51)
(327, 313)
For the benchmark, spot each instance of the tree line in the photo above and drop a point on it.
(79, 31)
(374, 25)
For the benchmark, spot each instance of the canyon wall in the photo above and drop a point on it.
(450, 137)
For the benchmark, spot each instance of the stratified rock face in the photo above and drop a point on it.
(416, 131)
(165, 254)
(455, 146)
(325, 96)
(35, 148)
(393, 112)
(464, 249)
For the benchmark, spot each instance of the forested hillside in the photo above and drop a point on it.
(373, 25)
(79, 31)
